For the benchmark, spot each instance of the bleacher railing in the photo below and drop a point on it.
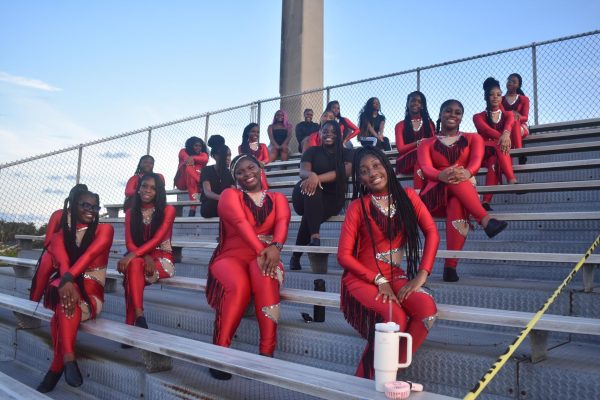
(560, 76)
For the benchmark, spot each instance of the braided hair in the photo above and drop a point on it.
(444, 105)
(365, 117)
(138, 169)
(245, 147)
(189, 145)
(489, 84)
(219, 152)
(407, 215)
(160, 201)
(408, 134)
(520, 79)
(338, 156)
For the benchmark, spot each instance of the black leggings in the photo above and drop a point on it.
(208, 208)
(314, 210)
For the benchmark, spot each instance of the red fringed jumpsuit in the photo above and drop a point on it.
(520, 105)
(407, 163)
(234, 274)
(46, 264)
(418, 311)
(262, 155)
(158, 247)
(454, 201)
(91, 266)
(188, 176)
(496, 162)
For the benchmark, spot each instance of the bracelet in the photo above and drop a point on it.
(65, 278)
(380, 280)
(277, 244)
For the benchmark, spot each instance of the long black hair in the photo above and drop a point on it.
(218, 151)
(408, 134)
(444, 105)
(489, 84)
(520, 79)
(138, 169)
(160, 201)
(189, 145)
(245, 147)
(338, 156)
(69, 223)
(365, 116)
(407, 217)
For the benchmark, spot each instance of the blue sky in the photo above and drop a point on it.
(73, 71)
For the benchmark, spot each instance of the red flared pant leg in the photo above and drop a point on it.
(456, 220)
(42, 276)
(467, 195)
(232, 275)
(134, 283)
(418, 181)
(64, 335)
(192, 182)
(491, 176)
(516, 139)
(506, 167)
(266, 303)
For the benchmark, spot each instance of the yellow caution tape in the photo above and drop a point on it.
(491, 373)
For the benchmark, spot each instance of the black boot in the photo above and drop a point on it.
(49, 382)
(494, 227)
(295, 263)
(140, 322)
(220, 375)
(73, 374)
(450, 274)
(522, 160)
(486, 206)
(192, 212)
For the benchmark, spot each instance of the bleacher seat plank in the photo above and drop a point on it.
(12, 389)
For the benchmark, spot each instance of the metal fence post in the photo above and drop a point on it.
(206, 129)
(258, 103)
(78, 176)
(328, 94)
(418, 79)
(535, 83)
(149, 140)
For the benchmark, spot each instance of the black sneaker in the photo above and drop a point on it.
(192, 212)
(295, 263)
(522, 160)
(450, 275)
(49, 382)
(220, 375)
(140, 322)
(494, 227)
(487, 207)
(73, 374)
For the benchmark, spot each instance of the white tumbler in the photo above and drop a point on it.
(387, 351)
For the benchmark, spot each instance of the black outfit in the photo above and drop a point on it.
(208, 207)
(376, 124)
(303, 130)
(325, 203)
(280, 134)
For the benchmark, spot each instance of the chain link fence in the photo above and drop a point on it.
(561, 77)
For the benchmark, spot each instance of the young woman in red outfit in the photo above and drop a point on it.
(145, 166)
(417, 125)
(280, 133)
(251, 145)
(192, 159)
(372, 124)
(347, 128)
(321, 192)
(450, 162)
(215, 178)
(148, 229)
(516, 101)
(76, 294)
(46, 264)
(498, 129)
(380, 226)
(253, 228)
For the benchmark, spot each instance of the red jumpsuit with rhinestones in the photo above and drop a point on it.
(46, 265)
(454, 201)
(158, 247)
(262, 155)
(407, 162)
(90, 270)
(496, 162)
(188, 176)
(234, 274)
(520, 105)
(417, 312)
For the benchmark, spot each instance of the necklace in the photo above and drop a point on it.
(497, 113)
(391, 208)
(420, 124)
(253, 146)
(512, 102)
(261, 199)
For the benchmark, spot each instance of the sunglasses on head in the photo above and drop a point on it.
(89, 207)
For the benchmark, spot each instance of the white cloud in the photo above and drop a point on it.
(27, 82)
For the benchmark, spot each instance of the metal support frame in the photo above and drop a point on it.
(149, 140)
(206, 128)
(80, 152)
(535, 83)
